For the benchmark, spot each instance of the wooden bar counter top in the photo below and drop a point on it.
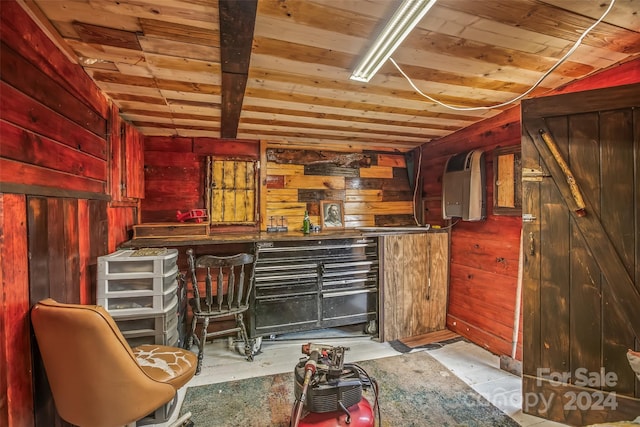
(176, 235)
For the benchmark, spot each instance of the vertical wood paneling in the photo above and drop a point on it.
(71, 250)
(531, 322)
(554, 270)
(98, 239)
(636, 227)
(586, 284)
(393, 305)
(53, 272)
(589, 261)
(115, 156)
(636, 222)
(555, 273)
(414, 286)
(54, 242)
(83, 252)
(38, 248)
(617, 214)
(133, 162)
(416, 267)
(55, 252)
(16, 405)
(121, 221)
(438, 275)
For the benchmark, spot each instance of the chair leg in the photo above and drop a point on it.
(203, 339)
(248, 345)
(189, 343)
(183, 421)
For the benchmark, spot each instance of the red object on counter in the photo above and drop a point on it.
(194, 214)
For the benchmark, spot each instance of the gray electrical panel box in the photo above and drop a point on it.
(463, 187)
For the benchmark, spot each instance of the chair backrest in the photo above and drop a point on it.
(228, 281)
(94, 377)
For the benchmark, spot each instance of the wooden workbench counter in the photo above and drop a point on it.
(227, 238)
(411, 283)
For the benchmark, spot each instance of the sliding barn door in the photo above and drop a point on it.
(581, 226)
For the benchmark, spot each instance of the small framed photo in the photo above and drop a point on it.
(332, 214)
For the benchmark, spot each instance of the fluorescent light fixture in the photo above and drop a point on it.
(402, 22)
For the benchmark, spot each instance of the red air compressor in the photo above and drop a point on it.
(329, 392)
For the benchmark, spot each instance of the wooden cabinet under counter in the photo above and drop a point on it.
(414, 284)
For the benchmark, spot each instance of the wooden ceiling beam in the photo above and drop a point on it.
(237, 21)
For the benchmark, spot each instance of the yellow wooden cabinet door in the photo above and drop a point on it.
(232, 190)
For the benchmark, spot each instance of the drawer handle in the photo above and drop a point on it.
(346, 293)
(283, 298)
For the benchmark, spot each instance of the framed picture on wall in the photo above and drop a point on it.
(331, 214)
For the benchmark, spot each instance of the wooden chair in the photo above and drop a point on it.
(96, 379)
(225, 297)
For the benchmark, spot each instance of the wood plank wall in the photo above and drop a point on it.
(374, 190)
(174, 179)
(484, 254)
(63, 198)
(296, 180)
(175, 171)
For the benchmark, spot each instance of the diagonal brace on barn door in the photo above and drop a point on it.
(624, 291)
(564, 167)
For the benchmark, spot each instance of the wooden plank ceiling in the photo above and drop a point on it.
(279, 70)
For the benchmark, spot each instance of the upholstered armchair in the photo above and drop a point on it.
(96, 379)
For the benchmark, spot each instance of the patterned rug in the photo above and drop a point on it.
(415, 391)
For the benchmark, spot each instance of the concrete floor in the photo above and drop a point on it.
(472, 364)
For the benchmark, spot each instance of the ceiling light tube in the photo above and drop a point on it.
(402, 22)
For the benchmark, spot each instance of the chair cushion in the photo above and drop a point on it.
(166, 364)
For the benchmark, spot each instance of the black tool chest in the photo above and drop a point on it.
(312, 284)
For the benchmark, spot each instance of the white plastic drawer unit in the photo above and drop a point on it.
(155, 262)
(143, 325)
(138, 301)
(138, 281)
